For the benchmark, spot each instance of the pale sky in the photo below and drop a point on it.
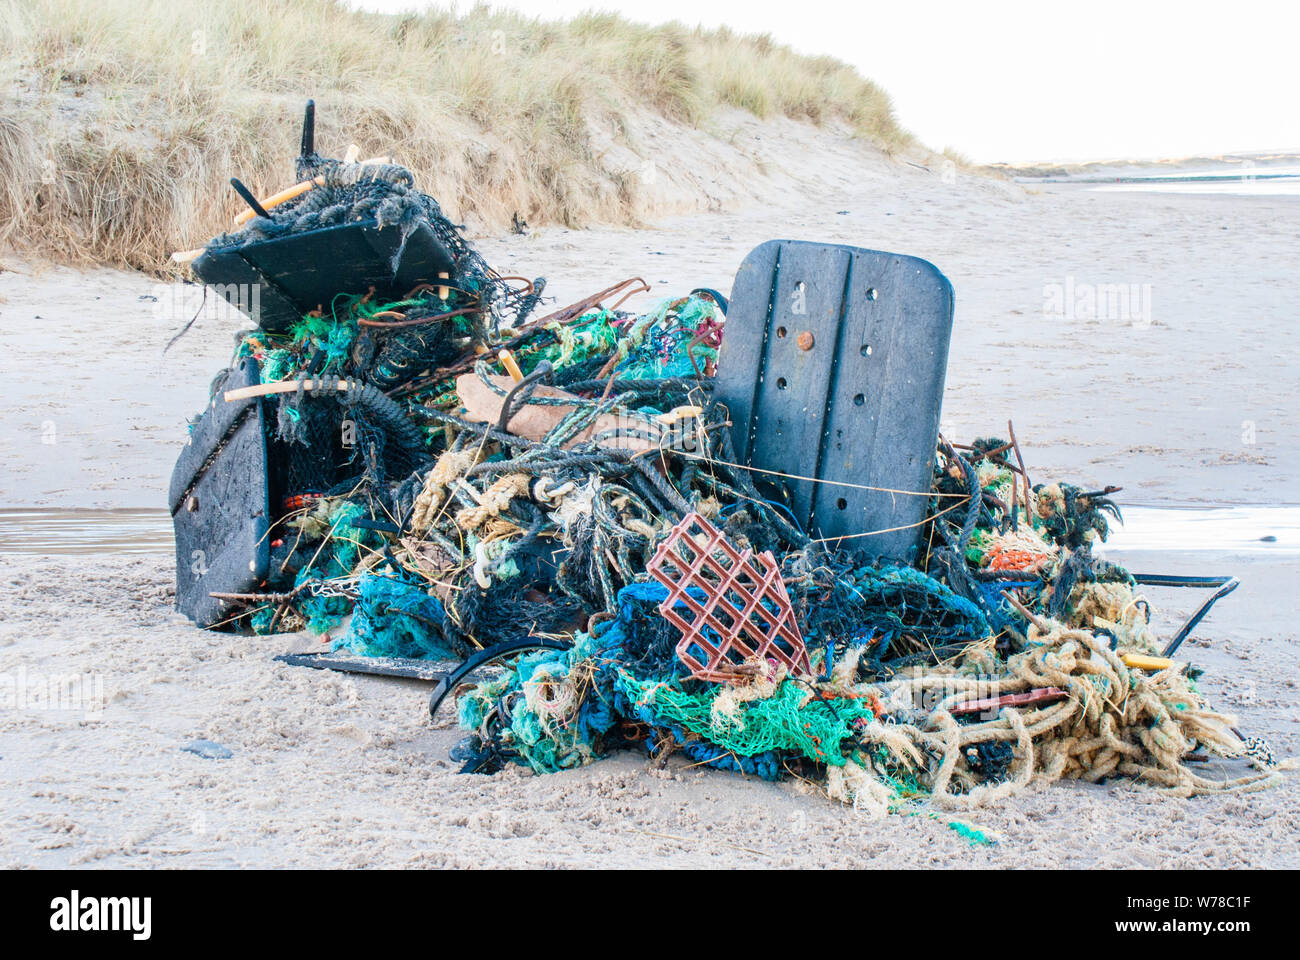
(1035, 81)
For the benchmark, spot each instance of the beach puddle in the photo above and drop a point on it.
(1234, 529)
(58, 532)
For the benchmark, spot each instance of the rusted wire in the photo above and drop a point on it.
(562, 315)
(400, 324)
(1024, 474)
(582, 306)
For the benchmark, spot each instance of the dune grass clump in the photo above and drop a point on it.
(123, 119)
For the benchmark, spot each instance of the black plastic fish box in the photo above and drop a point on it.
(219, 501)
(277, 280)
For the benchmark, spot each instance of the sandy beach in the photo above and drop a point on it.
(1188, 400)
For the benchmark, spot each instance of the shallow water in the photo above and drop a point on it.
(1262, 180)
(1229, 529)
(1259, 181)
(1244, 187)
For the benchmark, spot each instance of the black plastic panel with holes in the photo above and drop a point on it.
(833, 367)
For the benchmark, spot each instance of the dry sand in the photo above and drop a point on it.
(331, 770)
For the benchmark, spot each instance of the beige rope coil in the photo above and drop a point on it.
(494, 500)
(1114, 722)
(452, 464)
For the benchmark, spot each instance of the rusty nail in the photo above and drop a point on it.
(805, 340)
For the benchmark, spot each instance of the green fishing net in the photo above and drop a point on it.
(792, 718)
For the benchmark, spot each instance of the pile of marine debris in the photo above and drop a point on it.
(728, 530)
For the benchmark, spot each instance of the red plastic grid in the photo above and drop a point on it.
(748, 608)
